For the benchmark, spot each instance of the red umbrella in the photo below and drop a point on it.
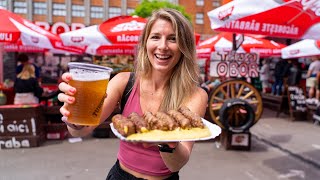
(288, 18)
(122, 49)
(117, 30)
(118, 35)
(197, 38)
(223, 42)
(13, 47)
(14, 28)
(19, 47)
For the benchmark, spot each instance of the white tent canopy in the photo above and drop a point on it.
(304, 48)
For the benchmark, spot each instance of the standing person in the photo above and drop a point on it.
(264, 75)
(166, 77)
(280, 72)
(295, 73)
(311, 81)
(23, 59)
(26, 86)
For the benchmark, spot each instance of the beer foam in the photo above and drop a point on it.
(83, 75)
(89, 72)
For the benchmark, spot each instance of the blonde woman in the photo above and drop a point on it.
(26, 86)
(166, 77)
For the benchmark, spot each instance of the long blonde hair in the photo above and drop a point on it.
(184, 79)
(28, 71)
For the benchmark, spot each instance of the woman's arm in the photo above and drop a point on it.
(114, 92)
(176, 160)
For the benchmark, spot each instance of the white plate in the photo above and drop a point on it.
(214, 129)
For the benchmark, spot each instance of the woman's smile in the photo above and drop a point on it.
(163, 56)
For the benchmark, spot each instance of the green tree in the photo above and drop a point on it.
(147, 6)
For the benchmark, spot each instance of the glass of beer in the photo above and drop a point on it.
(91, 82)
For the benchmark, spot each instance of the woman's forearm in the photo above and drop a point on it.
(176, 160)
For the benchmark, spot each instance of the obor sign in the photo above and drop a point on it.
(232, 64)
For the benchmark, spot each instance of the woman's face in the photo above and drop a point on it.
(162, 47)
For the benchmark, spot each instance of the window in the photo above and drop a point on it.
(216, 3)
(39, 8)
(130, 11)
(114, 11)
(77, 11)
(59, 9)
(20, 7)
(200, 2)
(96, 12)
(3, 3)
(199, 18)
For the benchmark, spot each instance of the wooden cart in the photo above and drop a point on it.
(235, 105)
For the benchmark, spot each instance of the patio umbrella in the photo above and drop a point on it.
(250, 44)
(304, 48)
(118, 35)
(14, 28)
(13, 47)
(19, 47)
(115, 31)
(296, 19)
(96, 49)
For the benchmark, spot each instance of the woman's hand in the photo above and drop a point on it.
(67, 96)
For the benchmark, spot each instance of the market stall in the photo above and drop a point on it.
(21, 126)
(235, 104)
(289, 20)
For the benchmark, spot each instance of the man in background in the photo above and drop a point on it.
(311, 81)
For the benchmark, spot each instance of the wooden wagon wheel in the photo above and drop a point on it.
(234, 89)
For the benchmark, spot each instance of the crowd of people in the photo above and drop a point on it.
(290, 72)
(285, 72)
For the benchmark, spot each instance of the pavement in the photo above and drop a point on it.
(298, 138)
(280, 149)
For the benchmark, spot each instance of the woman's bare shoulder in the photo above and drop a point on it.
(201, 93)
(119, 81)
(121, 77)
(198, 101)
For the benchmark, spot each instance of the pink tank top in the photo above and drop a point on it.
(135, 156)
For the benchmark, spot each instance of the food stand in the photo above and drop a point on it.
(21, 126)
(45, 116)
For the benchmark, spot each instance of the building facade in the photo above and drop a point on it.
(90, 12)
